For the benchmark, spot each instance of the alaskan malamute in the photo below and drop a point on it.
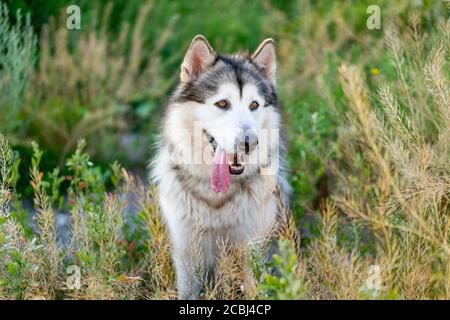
(219, 167)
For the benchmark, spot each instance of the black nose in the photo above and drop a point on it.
(248, 141)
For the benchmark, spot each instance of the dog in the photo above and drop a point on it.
(219, 165)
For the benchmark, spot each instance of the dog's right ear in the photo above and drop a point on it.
(265, 58)
(199, 56)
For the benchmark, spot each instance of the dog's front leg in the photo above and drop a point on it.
(188, 279)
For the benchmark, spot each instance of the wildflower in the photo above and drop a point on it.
(375, 71)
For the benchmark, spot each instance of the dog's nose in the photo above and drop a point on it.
(248, 141)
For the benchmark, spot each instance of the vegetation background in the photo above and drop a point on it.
(367, 115)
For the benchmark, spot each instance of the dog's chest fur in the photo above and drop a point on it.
(245, 212)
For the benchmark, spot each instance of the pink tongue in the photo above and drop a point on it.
(220, 176)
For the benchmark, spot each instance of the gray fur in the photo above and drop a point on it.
(237, 69)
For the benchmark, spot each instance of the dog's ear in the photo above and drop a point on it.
(264, 57)
(199, 56)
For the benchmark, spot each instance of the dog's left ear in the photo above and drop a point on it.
(199, 56)
(265, 58)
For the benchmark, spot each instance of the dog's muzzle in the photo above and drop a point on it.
(211, 139)
(236, 166)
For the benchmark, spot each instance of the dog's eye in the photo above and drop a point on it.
(254, 105)
(222, 104)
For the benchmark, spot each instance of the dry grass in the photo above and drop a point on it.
(158, 264)
(86, 80)
(404, 144)
(36, 267)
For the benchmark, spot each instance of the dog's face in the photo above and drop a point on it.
(232, 100)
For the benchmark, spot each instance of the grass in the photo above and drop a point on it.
(367, 118)
(17, 56)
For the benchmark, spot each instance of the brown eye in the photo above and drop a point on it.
(254, 105)
(222, 104)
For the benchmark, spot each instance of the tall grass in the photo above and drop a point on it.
(396, 152)
(89, 79)
(17, 58)
(83, 83)
(36, 266)
(368, 120)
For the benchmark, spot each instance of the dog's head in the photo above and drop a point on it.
(230, 100)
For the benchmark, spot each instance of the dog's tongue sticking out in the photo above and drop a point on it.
(220, 176)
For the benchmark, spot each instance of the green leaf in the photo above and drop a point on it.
(12, 267)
